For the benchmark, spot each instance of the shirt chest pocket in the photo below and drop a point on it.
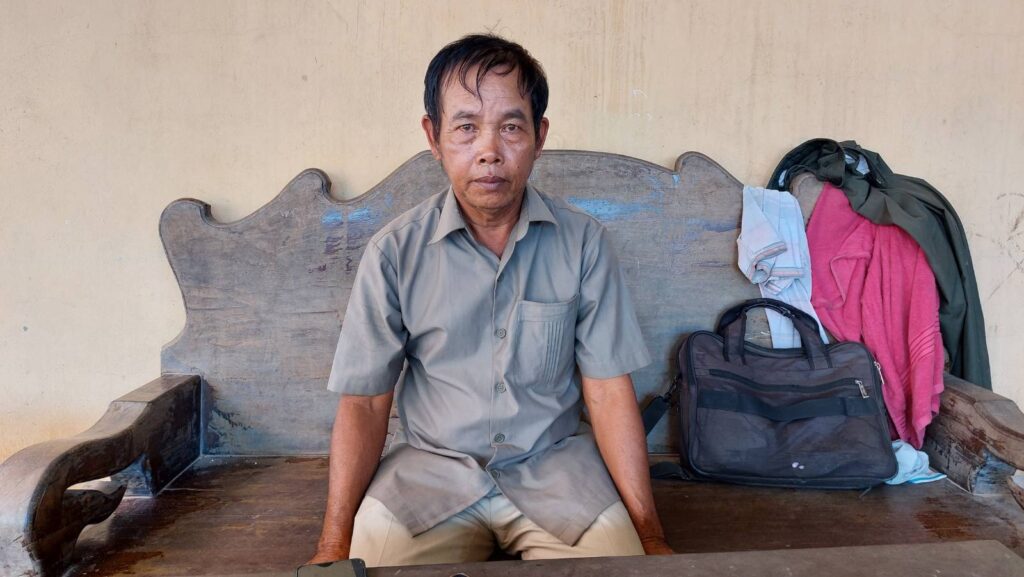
(543, 344)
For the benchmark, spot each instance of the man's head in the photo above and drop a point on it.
(485, 99)
(480, 54)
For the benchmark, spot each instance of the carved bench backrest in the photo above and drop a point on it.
(265, 296)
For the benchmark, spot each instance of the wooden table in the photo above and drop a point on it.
(251, 516)
(960, 559)
(957, 559)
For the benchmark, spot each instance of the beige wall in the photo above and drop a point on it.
(110, 110)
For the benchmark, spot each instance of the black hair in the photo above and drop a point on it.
(487, 53)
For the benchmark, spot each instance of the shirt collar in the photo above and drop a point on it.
(537, 210)
(534, 210)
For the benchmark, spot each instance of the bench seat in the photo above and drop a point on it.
(237, 515)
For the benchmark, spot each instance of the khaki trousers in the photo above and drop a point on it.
(381, 540)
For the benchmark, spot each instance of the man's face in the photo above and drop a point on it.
(487, 143)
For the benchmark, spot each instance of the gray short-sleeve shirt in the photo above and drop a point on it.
(491, 394)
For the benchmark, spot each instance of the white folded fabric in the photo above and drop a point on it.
(773, 255)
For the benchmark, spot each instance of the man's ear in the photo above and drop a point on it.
(428, 129)
(542, 135)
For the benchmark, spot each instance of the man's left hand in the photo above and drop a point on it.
(656, 546)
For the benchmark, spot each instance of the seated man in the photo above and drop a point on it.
(492, 294)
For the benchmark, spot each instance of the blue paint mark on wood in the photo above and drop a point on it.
(360, 215)
(608, 209)
(332, 218)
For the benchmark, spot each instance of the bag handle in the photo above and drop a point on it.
(732, 327)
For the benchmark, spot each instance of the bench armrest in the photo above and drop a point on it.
(145, 439)
(977, 439)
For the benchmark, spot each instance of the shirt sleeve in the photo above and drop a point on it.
(608, 338)
(371, 348)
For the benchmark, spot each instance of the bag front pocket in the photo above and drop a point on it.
(788, 431)
(543, 347)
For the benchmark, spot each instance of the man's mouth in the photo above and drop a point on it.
(490, 183)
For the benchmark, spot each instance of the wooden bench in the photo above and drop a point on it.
(218, 466)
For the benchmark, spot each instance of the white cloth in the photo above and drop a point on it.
(773, 255)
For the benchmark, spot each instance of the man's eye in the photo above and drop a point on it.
(465, 128)
(511, 128)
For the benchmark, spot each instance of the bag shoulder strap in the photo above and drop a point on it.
(656, 409)
(670, 470)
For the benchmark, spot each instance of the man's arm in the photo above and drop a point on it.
(357, 440)
(615, 417)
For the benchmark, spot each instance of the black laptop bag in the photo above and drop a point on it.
(809, 417)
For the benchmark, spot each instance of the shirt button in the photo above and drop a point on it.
(499, 438)
(500, 387)
(500, 333)
(495, 473)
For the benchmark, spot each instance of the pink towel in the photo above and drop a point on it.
(872, 284)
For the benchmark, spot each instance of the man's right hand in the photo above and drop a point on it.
(327, 555)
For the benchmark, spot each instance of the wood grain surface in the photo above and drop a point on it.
(153, 432)
(965, 559)
(243, 515)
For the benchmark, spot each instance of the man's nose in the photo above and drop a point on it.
(489, 148)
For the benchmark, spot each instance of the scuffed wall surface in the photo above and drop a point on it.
(110, 110)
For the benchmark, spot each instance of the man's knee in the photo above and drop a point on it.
(614, 532)
(381, 540)
(610, 535)
(371, 532)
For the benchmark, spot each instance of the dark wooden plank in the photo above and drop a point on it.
(712, 517)
(977, 438)
(236, 515)
(155, 427)
(962, 559)
(967, 559)
(225, 515)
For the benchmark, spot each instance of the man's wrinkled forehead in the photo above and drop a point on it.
(469, 78)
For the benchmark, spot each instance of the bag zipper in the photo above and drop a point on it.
(883, 411)
(791, 388)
